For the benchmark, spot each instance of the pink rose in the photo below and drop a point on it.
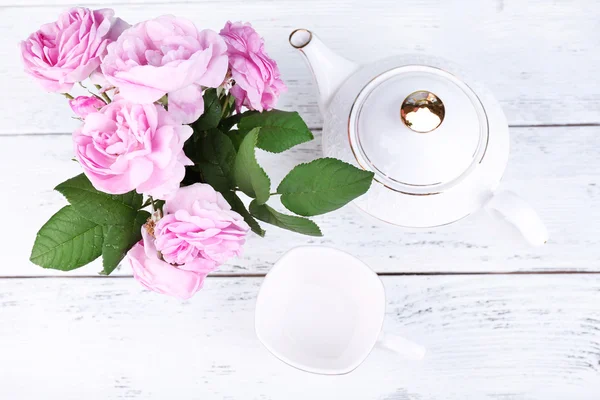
(127, 146)
(84, 105)
(257, 80)
(198, 232)
(69, 50)
(154, 274)
(167, 55)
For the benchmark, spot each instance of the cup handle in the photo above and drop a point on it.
(520, 214)
(402, 347)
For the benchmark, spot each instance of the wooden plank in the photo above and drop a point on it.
(61, 4)
(539, 58)
(496, 337)
(556, 169)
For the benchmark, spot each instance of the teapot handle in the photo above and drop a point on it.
(520, 214)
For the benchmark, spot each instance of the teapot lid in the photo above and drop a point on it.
(419, 128)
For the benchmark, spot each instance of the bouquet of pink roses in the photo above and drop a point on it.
(167, 142)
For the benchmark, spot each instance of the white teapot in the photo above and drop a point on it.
(436, 140)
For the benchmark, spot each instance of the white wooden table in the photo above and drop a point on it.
(501, 321)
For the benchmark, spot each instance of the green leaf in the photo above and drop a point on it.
(192, 175)
(67, 241)
(218, 159)
(99, 207)
(238, 206)
(248, 175)
(291, 223)
(159, 204)
(191, 146)
(322, 185)
(236, 138)
(227, 123)
(279, 130)
(211, 116)
(118, 239)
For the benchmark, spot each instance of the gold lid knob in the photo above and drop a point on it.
(422, 111)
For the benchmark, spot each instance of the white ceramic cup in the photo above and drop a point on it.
(321, 310)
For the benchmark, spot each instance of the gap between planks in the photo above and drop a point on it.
(263, 274)
(320, 128)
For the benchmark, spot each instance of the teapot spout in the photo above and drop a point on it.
(329, 69)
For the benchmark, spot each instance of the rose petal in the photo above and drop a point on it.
(187, 104)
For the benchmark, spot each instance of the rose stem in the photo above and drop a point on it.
(103, 94)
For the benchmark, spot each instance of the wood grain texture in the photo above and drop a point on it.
(556, 169)
(540, 58)
(500, 337)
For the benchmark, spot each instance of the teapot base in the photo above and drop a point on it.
(418, 212)
(427, 208)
